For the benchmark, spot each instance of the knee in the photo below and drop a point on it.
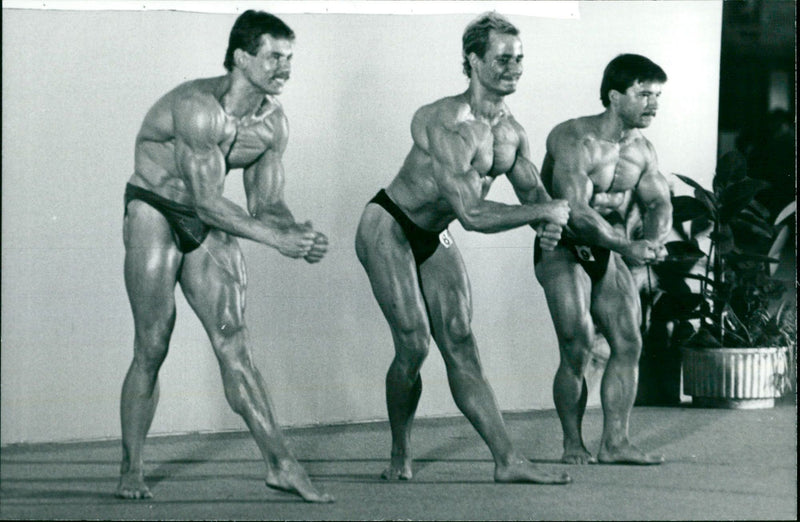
(412, 346)
(228, 338)
(458, 329)
(576, 348)
(151, 345)
(627, 345)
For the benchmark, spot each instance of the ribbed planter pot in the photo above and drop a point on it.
(745, 378)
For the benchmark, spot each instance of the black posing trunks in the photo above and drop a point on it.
(593, 259)
(189, 231)
(423, 242)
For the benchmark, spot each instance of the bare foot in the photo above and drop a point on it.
(399, 469)
(522, 470)
(132, 487)
(293, 479)
(580, 457)
(627, 453)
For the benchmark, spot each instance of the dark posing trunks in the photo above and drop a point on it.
(189, 231)
(423, 242)
(593, 259)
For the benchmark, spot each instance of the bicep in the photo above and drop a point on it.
(524, 176)
(524, 179)
(653, 188)
(264, 181)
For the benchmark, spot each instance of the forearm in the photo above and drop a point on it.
(490, 216)
(278, 216)
(229, 217)
(589, 227)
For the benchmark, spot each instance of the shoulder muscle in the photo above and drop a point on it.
(198, 119)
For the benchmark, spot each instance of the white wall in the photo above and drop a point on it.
(75, 87)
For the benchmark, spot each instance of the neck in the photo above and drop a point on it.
(239, 98)
(612, 128)
(484, 104)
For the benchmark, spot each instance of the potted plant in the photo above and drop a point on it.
(717, 298)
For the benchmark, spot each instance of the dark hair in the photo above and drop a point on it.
(626, 69)
(476, 35)
(247, 30)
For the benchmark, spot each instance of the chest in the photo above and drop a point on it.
(615, 168)
(243, 142)
(497, 153)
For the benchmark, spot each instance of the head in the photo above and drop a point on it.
(631, 86)
(491, 43)
(260, 45)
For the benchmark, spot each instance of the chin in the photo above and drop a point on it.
(506, 91)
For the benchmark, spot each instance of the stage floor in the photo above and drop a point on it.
(721, 464)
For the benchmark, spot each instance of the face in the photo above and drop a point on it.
(638, 105)
(501, 66)
(269, 70)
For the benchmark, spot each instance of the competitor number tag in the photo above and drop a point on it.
(445, 239)
(585, 252)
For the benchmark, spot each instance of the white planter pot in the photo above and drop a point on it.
(734, 377)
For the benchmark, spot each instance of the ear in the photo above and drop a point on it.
(239, 57)
(473, 60)
(613, 95)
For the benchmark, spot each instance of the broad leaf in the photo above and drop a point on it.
(740, 257)
(685, 208)
(676, 307)
(734, 198)
(681, 257)
(731, 167)
(705, 196)
(787, 211)
(703, 338)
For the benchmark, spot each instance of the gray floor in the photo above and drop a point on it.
(722, 464)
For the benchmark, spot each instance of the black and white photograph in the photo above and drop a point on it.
(398, 260)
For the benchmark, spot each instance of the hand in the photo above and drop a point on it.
(296, 241)
(549, 235)
(318, 249)
(660, 252)
(640, 252)
(556, 212)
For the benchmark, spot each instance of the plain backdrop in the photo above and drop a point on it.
(76, 85)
